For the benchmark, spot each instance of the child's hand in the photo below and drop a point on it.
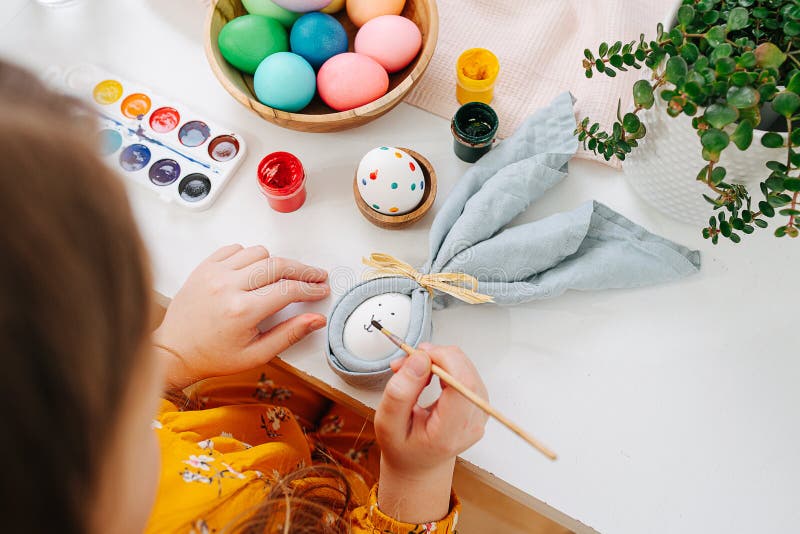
(419, 445)
(211, 326)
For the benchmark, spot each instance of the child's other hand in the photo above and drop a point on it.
(419, 445)
(212, 323)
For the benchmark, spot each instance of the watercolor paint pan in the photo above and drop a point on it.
(156, 142)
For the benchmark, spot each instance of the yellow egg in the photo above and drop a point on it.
(334, 7)
(361, 11)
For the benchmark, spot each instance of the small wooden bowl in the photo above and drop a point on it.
(396, 222)
(318, 117)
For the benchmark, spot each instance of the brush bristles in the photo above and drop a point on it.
(377, 325)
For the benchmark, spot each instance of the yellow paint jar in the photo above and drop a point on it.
(476, 70)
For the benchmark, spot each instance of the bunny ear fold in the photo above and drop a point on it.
(504, 182)
(589, 248)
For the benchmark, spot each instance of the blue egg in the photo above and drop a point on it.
(285, 81)
(318, 37)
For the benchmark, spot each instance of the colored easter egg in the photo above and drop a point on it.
(350, 80)
(390, 181)
(285, 81)
(362, 11)
(364, 341)
(303, 6)
(318, 37)
(391, 40)
(245, 41)
(268, 8)
(334, 7)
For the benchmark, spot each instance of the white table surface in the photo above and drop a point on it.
(674, 409)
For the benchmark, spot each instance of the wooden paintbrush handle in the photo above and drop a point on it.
(451, 381)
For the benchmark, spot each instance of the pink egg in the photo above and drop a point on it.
(302, 6)
(349, 80)
(391, 40)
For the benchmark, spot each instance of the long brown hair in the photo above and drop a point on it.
(74, 316)
(74, 311)
(311, 500)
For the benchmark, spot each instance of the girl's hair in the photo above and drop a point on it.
(74, 311)
(312, 500)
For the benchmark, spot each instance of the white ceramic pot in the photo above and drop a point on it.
(664, 167)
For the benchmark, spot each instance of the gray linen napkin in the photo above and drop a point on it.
(591, 247)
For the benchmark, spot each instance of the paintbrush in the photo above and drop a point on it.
(451, 381)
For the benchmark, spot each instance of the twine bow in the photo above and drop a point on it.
(459, 285)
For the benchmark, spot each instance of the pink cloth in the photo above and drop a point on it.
(540, 45)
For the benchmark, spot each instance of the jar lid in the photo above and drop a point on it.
(280, 174)
(475, 123)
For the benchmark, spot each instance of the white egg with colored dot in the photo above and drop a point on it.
(364, 341)
(390, 181)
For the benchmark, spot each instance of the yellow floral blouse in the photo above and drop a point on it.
(219, 461)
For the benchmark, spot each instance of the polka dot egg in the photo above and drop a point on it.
(390, 181)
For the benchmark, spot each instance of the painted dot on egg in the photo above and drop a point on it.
(363, 181)
(384, 148)
(411, 164)
(413, 186)
(422, 185)
(376, 206)
(394, 185)
(394, 210)
(398, 155)
(373, 175)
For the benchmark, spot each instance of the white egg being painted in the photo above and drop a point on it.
(390, 181)
(364, 341)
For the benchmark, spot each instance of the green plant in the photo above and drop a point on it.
(721, 64)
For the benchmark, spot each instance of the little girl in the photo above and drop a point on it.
(241, 445)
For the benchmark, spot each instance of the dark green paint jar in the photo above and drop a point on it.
(474, 128)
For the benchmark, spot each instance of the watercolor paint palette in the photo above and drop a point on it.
(156, 142)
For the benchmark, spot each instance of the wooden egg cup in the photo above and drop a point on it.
(396, 222)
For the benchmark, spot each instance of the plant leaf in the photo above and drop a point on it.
(716, 35)
(794, 83)
(725, 66)
(631, 123)
(738, 18)
(786, 103)
(743, 135)
(791, 184)
(720, 115)
(742, 97)
(643, 94)
(714, 140)
(772, 140)
(676, 69)
(685, 15)
(718, 175)
(769, 56)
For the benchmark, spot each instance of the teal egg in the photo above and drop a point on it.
(285, 81)
(245, 41)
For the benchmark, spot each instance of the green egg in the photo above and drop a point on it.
(268, 8)
(245, 41)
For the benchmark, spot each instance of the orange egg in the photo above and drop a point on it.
(361, 11)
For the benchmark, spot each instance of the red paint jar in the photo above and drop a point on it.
(283, 181)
